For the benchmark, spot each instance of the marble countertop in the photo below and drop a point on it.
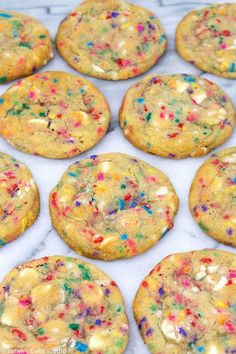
(41, 240)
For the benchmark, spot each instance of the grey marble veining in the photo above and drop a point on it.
(41, 240)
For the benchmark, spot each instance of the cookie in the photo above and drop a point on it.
(176, 116)
(207, 39)
(61, 304)
(187, 304)
(25, 45)
(112, 206)
(111, 40)
(212, 197)
(19, 199)
(53, 114)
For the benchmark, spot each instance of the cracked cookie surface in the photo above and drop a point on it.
(112, 206)
(176, 116)
(19, 198)
(207, 39)
(111, 40)
(61, 304)
(25, 45)
(212, 197)
(53, 114)
(187, 304)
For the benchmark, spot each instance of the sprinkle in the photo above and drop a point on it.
(93, 157)
(141, 322)
(5, 15)
(229, 231)
(189, 79)
(40, 331)
(124, 237)
(182, 332)
(19, 334)
(203, 227)
(77, 203)
(133, 204)
(151, 26)
(226, 33)
(98, 322)
(123, 63)
(161, 291)
(140, 100)
(1, 100)
(149, 332)
(85, 272)
(100, 176)
(223, 98)
(107, 292)
(161, 39)
(114, 14)
(148, 116)
(25, 44)
(72, 174)
(232, 67)
(74, 326)
(2, 243)
(89, 44)
(204, 207)
(122, 186)
(140, 28)
(42, 36)
(148, 210)
(206, 260)
(234, 179)
(121, 204)
(201, 349)
(3, 79)
(81, 347)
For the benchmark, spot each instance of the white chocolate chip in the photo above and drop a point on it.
(39, 121)
(212, 269)
(181, 86)
(27, 278)
(97, 68)
(200, 275)
(162, 191)
(99, 341)
(170, 331)
(199, 97)
(222, 282)
(230, 158)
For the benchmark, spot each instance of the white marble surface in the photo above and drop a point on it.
(41, 240)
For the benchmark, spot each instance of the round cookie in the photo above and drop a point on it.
(53, 114)
(111, 40)
(19, 198)
(212, 197)
(61, 304)
(207, 39)
(187, 304)
(176, 116)
(112, 206)
(25, 45)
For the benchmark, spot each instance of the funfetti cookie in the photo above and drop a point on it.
(19, 199)
(25, 45)
(111, 40)
(112, 206)
(61, 304)
(53, 114)
(212, 197)
(207, 39)
(186, 305)
(176, 116)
